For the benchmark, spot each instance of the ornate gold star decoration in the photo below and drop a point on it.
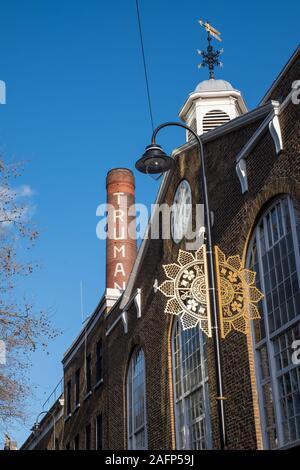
(186, 289)
(237, 294)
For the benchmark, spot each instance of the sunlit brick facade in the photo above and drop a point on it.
(123, 374)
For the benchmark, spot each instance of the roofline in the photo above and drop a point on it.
(232, 125)
(290, 62)
(56, 407)
(91, 321)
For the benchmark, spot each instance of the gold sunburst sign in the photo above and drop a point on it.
(237, 294)
(187, 291)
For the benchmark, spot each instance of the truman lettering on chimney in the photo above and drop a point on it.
(120, 248)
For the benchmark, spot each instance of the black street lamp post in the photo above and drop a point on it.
(155, 161)
(36, 427)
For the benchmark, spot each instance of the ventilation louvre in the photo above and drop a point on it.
(214, 119)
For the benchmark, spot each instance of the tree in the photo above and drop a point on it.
(22, 329)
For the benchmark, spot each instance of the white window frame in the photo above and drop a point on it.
(268, 341)
(131, 440)
(203, 384)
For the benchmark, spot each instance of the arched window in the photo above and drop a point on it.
(136, 402)
(190, 388)
(274, 255)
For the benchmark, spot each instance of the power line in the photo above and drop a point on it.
(144, 62)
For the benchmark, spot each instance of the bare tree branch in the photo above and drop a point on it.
(21, 328)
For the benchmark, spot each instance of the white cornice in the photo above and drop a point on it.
(272, 122)
(208, 95)
(245, 151)
(241, 165)
(136, 299)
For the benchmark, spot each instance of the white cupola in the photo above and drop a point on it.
(213, 103)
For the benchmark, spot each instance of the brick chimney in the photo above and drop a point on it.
(120, 247)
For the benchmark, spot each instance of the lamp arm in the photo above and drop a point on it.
(177, 124)
(53, 418)
(202, 169)
(44, 413)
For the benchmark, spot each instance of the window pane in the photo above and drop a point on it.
(190, 378)
(136, 391)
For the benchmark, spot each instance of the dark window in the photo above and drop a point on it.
(88, 437)
(99, 361)
(77, 387)
(88, 373)
(99, 432)
(68, 446)
(76, 442)
(68, 405)
(56, 444)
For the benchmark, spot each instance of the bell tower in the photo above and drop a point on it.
(213, 102)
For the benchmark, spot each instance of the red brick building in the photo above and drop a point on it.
(133, 379)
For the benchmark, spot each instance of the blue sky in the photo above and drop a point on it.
(76, 107)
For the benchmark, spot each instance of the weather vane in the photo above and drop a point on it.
(210, 56)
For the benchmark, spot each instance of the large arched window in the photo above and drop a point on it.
(136, 402)
(190, 388)
(274, 255)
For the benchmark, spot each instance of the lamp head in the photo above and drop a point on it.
(154, 161)
(35, 428)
